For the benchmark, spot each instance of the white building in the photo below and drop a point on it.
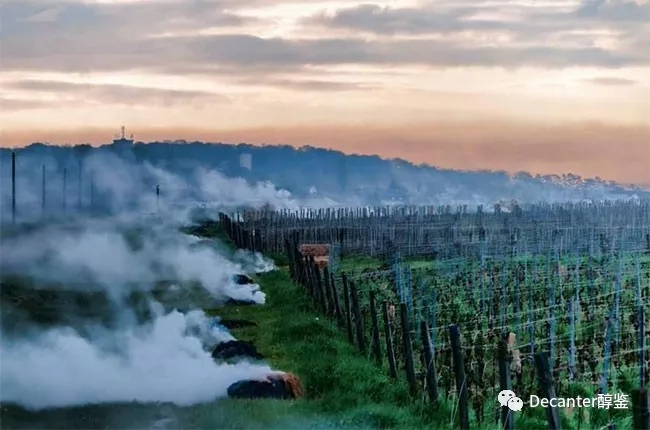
(246, 161)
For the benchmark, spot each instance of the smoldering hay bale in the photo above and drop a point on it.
(241, 279)
(155, 363)
(277, 385)
(238, 302)
(236, 349)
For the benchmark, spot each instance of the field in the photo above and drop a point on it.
(570, 282)
(343, 390)
(372, 335)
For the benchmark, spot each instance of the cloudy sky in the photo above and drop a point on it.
(540, 85)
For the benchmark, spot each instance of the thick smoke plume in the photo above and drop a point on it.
(119, 258)
(107, 183)
(157, 363)
(91, 314)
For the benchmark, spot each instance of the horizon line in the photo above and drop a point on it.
(512, 173)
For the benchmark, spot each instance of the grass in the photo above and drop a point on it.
(453, 296)
(340, 384)
(343, 388)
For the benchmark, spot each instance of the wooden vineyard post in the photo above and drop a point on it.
(238, 236)
(311, 285)
(292, 262)
(337, 306)
(358, 323)
(429, 363)
(461, 380)
(319, 284)
(287, 252)
(390, 351)
(547, 389)
(640, 409)
(300, 263)
(259, 244)
(297, 268)
(348, 316)
(328, 292)
(305, 274)
(640, 402)
(642, 345)
(376, 345)
(327, 298)
(409, 364)
(314, 285)
(507, 422)
(244, 237)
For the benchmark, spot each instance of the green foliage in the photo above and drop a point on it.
(280, 260)
(338, 381)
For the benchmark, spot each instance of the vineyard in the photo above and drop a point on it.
(550, 300)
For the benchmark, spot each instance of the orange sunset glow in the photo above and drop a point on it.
(546, 86)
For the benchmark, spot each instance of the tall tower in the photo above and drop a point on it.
(122, 140)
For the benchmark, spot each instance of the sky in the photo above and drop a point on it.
(545, 86)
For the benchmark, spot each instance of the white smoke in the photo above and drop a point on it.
(165, 359)
(158, 363)
(254, 262)
(97, 255)
(121, 184)
(107, 182)
(209, 331)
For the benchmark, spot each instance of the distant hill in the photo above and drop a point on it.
(319, 174)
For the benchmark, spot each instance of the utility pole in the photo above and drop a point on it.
(13, 187)
(65, 175)
(92, 191)
(43, 190)
(80, 170)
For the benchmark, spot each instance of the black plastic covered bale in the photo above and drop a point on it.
(234, 349)
(243, 279)
(275, 388)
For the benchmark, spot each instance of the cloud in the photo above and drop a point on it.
(114, 94)
(303, 85)
(612, 81)
(394, 21)
(80, 33)
(17, 104)
(512, 27)
(244, 51)
(83, 37)
(623, 11)
(519, 19)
